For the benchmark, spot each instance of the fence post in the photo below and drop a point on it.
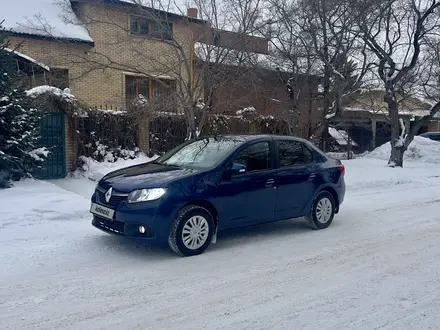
(144, 134)
(373, 134)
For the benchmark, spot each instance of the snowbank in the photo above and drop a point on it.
(51, 18)
(94, 170)
(369, 173)
(421, 149)
(371, 170)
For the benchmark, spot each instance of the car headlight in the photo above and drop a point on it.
(145, 195)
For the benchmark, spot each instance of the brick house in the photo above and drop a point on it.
(254, 79)
(108, 51)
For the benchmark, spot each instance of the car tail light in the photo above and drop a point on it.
(341, 168)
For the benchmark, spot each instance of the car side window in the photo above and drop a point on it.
(293, 153)
(255, 157)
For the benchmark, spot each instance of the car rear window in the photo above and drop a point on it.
(293, 153)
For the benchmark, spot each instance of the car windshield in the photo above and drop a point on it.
(202, 153)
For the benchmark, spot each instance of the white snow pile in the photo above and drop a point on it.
(245, 111)
(65, 94)
(141, 101)
(50, 18)
(421, 149)
(110, 155)
(200, 104)
(37, 153)
(370, 173)
(108, 111)
(94, 170)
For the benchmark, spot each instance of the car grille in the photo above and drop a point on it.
(115, 200)
(121, 228)
(112, 226)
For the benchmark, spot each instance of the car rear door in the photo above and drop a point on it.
(296, 178)
(249, 197)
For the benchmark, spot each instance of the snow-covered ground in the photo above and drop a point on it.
(375, 267)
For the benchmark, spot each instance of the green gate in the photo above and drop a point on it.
(54, 139)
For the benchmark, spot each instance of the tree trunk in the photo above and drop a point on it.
(325, 136)
(397, 143)
(396, 158)
(191, 132)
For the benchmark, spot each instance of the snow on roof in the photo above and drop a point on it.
(30, 59)
(403, 112)
(49, 18)
(341, 137)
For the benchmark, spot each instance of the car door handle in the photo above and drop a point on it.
(270, 182)
(312, 176)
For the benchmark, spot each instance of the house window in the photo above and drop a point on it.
(160, 93)
(59, 78)
(151, 28)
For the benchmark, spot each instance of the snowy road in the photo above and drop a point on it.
(377, 266)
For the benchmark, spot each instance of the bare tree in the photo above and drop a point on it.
(403, 35)
(182, 62)
(316, 37)
(229, 59)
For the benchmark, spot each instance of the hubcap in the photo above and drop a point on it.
(195, 232)
(324, 210)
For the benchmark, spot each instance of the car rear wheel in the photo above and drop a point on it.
(191, 232)
(322, 212)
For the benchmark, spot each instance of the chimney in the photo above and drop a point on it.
(192, 12)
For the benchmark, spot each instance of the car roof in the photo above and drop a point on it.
(252, 137)
(429, 133)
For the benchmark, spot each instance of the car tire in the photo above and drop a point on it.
(322, 211)
(191, 232)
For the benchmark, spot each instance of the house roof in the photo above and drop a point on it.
(43, 18)
(171, 13)
(56, 18)
(372, 101)
(229, 56)
(27, 59)
(232, 57)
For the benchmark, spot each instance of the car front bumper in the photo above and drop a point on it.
(126, 229)
(155, 217)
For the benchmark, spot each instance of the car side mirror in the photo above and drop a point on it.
(235, 169)
(238, 169)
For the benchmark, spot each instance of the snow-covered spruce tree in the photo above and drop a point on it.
(19, 125)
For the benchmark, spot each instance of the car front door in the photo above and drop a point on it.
(249, 197)
(296, 178)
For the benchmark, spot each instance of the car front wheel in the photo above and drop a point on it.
(322, 212)
(191, 232)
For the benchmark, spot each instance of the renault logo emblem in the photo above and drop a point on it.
(108, 195)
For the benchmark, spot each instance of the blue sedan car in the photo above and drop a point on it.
(185, 197)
